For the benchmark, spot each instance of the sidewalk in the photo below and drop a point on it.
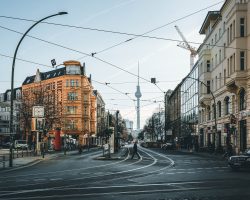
(28, 161)
(217, 156)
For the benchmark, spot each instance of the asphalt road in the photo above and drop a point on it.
(157, 175)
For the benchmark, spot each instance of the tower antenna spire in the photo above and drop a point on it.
(138, 96)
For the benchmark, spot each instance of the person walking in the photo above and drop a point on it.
(135, 151)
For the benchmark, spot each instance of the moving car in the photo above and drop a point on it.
(240, 161)
(20, 144)
(168, 146)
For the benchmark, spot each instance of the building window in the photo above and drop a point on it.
(220, 56)
(208, 65)
(226, 103)
(220, 81)
(225, 76)
(224, 49)
(234, 62)
(71, 109)
(214, 111)
(242, 98)
(242, 27)
(233, 29)
(72, 96)
(71, 125)
(209, 113)
(242, 60)
(231, 64)
(208, 87)
(231, 32)
(219, 108)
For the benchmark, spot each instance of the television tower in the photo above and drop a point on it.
(138, 96)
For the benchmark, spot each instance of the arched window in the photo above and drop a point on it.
(226, 103)
(242, 99)
(219, 108)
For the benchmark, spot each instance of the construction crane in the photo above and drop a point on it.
(186, 45)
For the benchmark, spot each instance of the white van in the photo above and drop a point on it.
(20, 144)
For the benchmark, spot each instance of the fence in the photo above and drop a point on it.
(17, 153)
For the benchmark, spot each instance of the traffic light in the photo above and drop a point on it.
(153, 80)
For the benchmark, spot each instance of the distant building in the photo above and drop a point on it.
(101, 122)
(5, 114)
(129, 125)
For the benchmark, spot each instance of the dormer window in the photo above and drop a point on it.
(73, 69)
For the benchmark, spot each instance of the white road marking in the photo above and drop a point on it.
(55, 179)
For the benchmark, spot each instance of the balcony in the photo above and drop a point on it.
(236, 80)
(205, 99)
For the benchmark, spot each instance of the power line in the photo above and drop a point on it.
(27, 61)
(117, 32)
(80, 52)
(174, 21)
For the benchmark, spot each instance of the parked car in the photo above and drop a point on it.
(240, 161)
(20, 144)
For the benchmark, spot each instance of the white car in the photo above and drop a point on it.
(20, 144)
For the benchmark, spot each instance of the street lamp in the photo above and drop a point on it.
(215, 118)
(12, 80)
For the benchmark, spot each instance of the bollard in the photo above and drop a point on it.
(16, 153)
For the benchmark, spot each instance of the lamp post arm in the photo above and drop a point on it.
(12, 77)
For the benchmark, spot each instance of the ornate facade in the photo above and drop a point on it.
(224, 68)
(67, 96)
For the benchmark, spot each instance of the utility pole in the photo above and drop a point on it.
(116, 131)
(12, 83)
(165, 117)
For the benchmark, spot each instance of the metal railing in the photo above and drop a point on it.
(17, 153)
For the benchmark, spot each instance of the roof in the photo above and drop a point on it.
(46, 75)
(211, 15)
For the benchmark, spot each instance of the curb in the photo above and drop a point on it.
(29, 164)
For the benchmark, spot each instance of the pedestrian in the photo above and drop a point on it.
(135, 151)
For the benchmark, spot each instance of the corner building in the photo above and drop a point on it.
(224, 68)
(68, 99)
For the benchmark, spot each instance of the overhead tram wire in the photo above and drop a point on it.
(80, 52)
(152, 30)
(89, 55)
(117, 32)
(27, 61)
(124, 93)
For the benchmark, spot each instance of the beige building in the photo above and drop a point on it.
(223, 68)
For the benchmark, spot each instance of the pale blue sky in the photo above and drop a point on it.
(158, 58)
